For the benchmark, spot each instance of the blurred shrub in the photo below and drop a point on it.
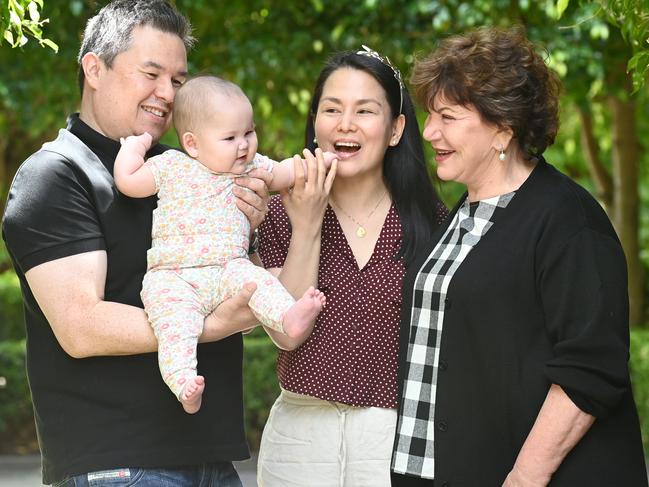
(640, 378)
(12, 325)
(260, 387)
(17, 430)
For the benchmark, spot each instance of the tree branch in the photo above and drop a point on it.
(601, 176)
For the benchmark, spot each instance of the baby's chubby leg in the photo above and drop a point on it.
(170, 300)
(301, 315)
(271, 303)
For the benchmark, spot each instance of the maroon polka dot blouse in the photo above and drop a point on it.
(351, 356)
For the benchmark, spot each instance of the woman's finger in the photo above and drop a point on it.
(331, 175)
(311, 167)
(322, 168)
(298, 170)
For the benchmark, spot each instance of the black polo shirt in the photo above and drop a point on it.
(107, 412)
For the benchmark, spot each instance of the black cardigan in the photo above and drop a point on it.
(541, 299)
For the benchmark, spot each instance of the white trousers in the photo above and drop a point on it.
(316, 443)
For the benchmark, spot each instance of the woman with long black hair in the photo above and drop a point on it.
(351, 232)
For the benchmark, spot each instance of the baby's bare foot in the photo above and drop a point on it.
(299, 317)
(192, 394)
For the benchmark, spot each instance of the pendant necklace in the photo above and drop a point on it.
(360, 228)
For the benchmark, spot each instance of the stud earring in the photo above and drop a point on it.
(502, 155)
(315, 141)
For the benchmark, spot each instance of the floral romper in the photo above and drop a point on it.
(198, 258)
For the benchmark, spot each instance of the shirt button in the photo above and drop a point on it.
(443, 365)
(442, 426)
(448, 303)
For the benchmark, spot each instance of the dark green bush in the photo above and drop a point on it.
(11, 308)
(17, 431)
(260, 387)
(640, 378)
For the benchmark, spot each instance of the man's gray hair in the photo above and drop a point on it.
(109, 33)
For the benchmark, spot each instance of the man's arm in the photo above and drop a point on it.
(70, 292)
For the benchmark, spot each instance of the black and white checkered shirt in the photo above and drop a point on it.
(414, 453)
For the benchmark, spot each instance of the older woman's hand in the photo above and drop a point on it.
(252, 195)
(307, 201)
(516, 478)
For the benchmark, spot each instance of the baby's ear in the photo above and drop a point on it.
(190, 144)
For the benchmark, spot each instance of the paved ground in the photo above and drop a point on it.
(25, 471)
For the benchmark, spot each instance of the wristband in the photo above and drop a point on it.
(254, 243)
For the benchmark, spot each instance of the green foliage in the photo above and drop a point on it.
(17, 431)
(639, 365)
(632, 18)
(260, 383)
(22, 18)
(11, 308)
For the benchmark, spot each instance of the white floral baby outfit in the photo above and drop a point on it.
(198, 258)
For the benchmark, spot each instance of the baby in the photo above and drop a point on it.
(199, 253)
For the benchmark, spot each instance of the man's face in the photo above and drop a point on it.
(137, 93)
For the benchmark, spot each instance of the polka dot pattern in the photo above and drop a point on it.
(351, 356)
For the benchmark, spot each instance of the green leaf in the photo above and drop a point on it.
(50, 44)
(34, 14)
(14, 18)
(561, 7)
(9, 37)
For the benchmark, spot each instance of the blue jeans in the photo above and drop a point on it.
(218, 474)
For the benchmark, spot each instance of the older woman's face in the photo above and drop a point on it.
(354, 121)
(466, 147)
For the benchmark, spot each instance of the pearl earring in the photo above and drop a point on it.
(315, 141)
(502, 155)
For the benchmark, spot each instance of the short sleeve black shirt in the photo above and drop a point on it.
(107, 412)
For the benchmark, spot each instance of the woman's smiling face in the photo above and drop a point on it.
(354, 120)
(466, 147)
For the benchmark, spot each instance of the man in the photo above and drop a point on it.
(79, 248)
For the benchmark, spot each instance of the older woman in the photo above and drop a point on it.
(352, 236)
(514, 346)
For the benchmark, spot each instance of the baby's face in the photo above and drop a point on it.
(227, 142)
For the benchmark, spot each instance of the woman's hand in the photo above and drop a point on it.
(306, 202)
(516, 478)
(252, 195)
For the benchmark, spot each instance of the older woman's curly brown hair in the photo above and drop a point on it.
(499, 73)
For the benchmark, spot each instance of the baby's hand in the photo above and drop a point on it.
(139, 144)
(328, 158)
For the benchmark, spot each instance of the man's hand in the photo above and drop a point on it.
(231, 316)
(252, 195)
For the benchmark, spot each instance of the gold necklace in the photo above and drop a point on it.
(360, 230)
